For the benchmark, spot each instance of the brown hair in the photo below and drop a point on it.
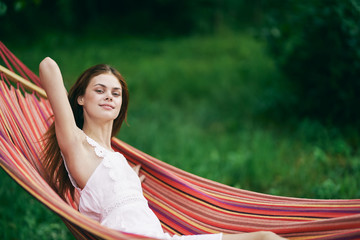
(56, 173)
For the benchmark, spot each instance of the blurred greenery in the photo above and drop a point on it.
(316, 44)
(217, 88)
(139, 17)
(194, 104)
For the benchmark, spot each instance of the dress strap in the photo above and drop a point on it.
(99, 150)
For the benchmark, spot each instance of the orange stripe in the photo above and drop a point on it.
(21, 128)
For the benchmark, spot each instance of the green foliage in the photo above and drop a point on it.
(317, 45)
(23, 217)
(3, 8)
(194, 103)
(131, 17)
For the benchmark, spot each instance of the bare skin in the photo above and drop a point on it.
(101, 103)
(262, 235)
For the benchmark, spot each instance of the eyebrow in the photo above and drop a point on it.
(102, 85)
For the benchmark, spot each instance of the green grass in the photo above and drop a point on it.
(23, 217)
(195, 104)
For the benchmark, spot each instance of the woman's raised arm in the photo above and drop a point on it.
(52, 82)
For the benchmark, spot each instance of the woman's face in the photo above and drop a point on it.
(102, 99)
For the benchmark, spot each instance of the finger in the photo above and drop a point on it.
(137, 168)
(142, 178)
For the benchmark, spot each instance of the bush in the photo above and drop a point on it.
(317, 46)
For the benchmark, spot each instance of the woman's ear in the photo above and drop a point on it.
(80, 100)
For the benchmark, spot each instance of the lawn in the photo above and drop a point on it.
(196, 103)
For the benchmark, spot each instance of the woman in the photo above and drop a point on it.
(78, 153)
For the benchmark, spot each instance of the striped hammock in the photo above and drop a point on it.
(184, 203)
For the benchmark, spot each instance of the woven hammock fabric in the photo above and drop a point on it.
(184, 203)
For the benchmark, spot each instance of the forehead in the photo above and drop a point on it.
(106, 79)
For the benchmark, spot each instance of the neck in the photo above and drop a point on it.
(100, 133)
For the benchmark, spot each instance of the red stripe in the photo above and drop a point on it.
(192, 204)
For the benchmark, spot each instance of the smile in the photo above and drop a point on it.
(107, 106)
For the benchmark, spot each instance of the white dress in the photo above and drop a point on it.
(113, 196)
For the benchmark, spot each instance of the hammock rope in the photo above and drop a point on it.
(184, 203)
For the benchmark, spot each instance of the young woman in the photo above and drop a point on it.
(78, 154)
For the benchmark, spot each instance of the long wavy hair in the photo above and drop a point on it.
(56, 174)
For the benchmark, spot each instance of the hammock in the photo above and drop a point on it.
(184, 203)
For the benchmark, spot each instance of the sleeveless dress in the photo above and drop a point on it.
(113, 196)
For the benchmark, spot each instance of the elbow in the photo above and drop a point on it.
(47, 63)
(48, 70)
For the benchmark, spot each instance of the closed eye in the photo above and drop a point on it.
(99, 90)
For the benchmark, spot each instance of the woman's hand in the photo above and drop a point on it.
(137, 170)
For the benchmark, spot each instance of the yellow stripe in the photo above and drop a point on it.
(323, 236)
(60, 209)
(209, 206)
(160, 204)
(254, 202)
(68, 216)
(311, 204)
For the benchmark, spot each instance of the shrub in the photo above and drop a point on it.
(316, 44)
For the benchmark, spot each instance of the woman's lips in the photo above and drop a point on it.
(107, 106)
